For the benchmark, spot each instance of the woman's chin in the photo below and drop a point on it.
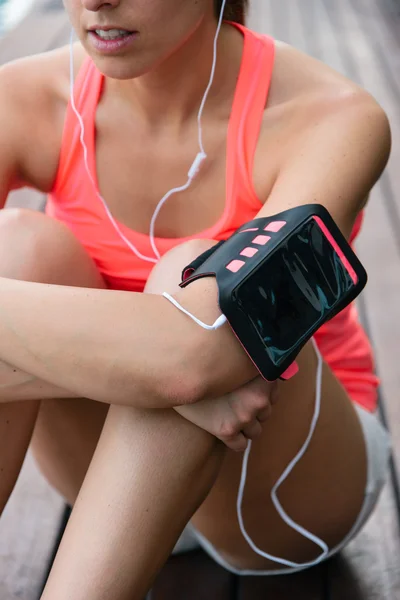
(122, 68)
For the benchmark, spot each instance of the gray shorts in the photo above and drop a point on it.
(378, 453)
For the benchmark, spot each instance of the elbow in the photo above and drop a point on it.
(183, 386)
(167, 387)
(176, 377)
(186, 375)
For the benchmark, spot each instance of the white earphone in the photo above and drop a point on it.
(193, 172)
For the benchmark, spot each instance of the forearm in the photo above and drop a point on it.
(17, 385)
(150, 472)
(115, 346)
(98, 344)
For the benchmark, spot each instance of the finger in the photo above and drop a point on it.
(237, 443)
(264, 414)
(266, 392)
(253, 430)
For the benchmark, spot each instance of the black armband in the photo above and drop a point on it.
(279, 279)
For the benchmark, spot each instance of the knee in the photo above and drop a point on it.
(166, 275)
(34, 247)
(19, 243)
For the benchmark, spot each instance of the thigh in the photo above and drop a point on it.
(324, 492)
(64, 441)
(34, 247)
(17, 421)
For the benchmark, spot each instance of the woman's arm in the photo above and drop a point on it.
(66, 342)
(338, 152)
(112, 345)
(340, 149)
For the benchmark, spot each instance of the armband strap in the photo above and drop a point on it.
(197, 262)
(279, 279)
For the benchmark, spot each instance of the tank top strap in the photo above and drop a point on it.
(88, 87)
(87, 90)
(248, 110)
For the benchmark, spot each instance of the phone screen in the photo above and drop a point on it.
(302, 282)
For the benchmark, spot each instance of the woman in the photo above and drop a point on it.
(287, 131)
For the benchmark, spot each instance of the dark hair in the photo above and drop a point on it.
(235, 10)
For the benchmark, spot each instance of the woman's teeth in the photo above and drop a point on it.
(112, 34)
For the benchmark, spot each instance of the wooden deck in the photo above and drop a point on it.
(30, 524)
(360, 38)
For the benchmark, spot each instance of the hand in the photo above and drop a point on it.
(236, 417)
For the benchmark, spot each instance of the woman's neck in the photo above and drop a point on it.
(173, 90)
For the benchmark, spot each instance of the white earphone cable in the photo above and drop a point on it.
(281, 511)
(283, 514)
(193, 171)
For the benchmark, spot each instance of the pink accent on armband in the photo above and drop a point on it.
(246, 230)
(249, 252)
(335, 246)
(261, 240)
(235, 265)
(275, 226)
(290, 371)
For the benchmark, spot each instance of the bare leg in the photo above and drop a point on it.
(64, 440)
(152, 470)
(16, 425)
(103, 556)
(32, 248)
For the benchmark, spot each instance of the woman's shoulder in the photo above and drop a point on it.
(34, 93)
(307, 97)
(40, 83)
(299, 77)
(316, 116)
(303, 85)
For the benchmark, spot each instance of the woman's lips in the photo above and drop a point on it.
(111, 46)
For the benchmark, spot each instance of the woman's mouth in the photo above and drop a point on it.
(111, 40)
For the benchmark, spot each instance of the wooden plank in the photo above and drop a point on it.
(193, 575)
(62, 524)
(306, 585)
(28, 529)
(37, 33)
(30, 523)
(369, 567)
